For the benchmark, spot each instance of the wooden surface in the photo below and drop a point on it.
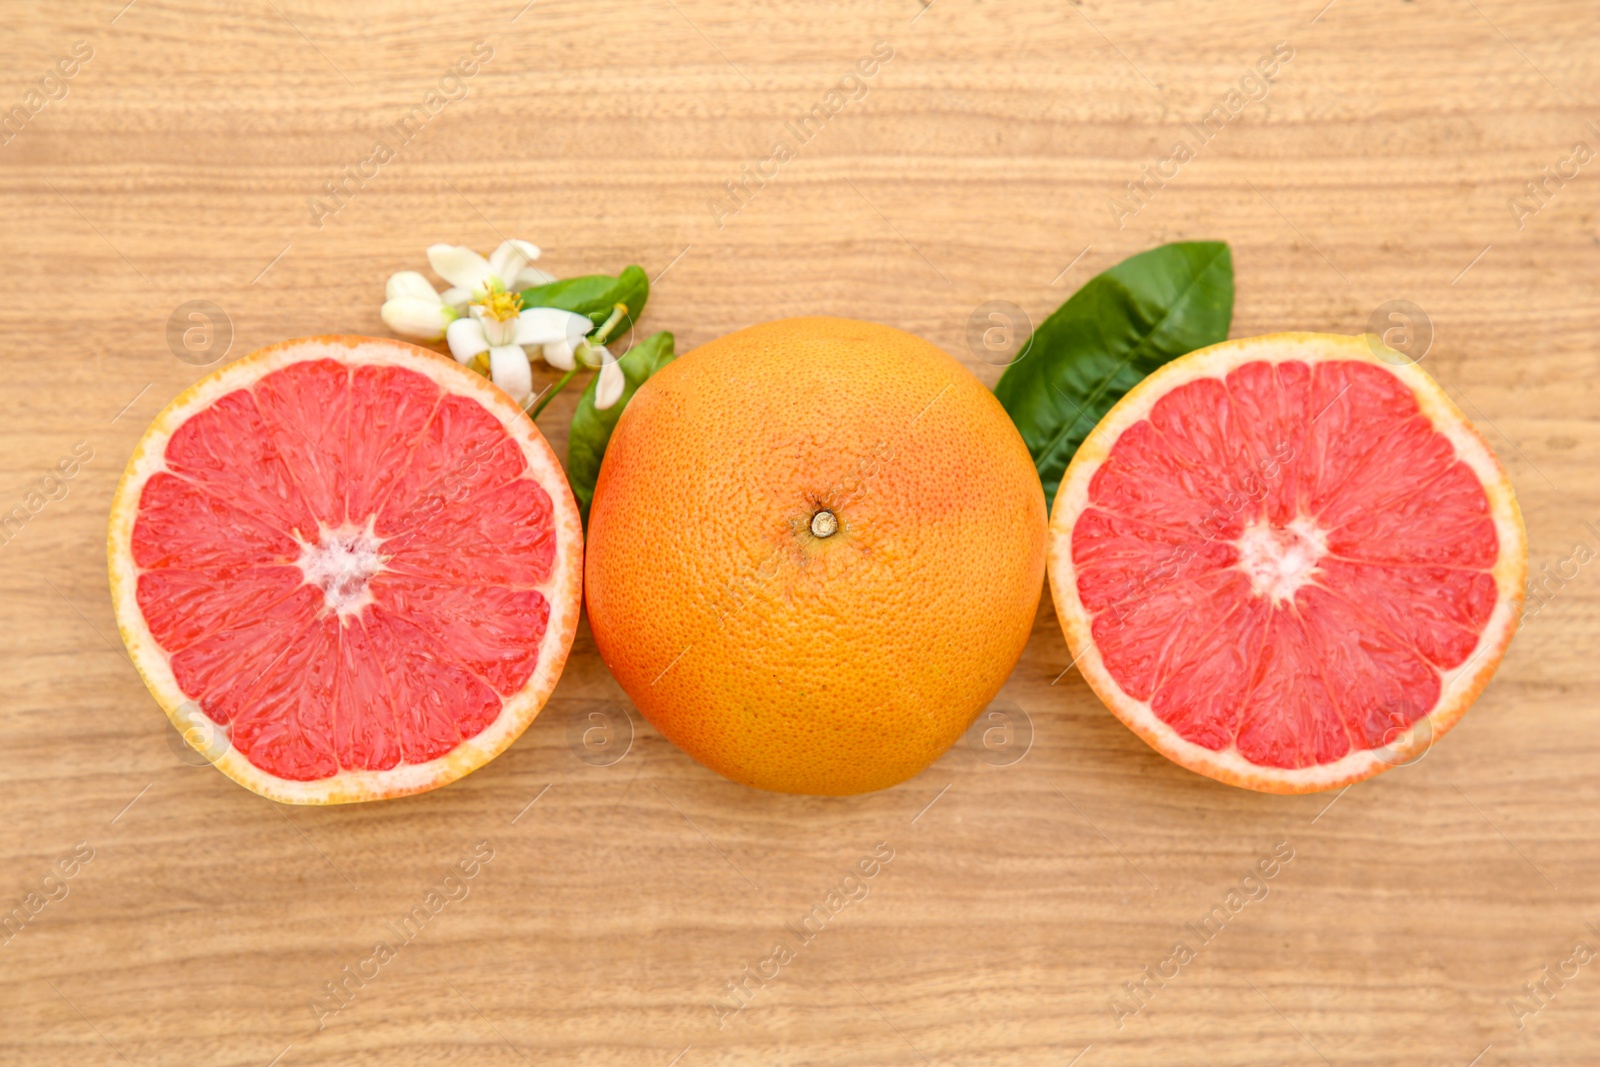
(976, 167)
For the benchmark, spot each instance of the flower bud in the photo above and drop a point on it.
(417, 317)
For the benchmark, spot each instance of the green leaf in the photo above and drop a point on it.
(595, 295)
(1123, 324)
(591, 428)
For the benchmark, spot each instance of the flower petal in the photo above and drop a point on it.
(609, 388)
(510, 370)
(409, 283)
(466, 339)
(543, 326)
(498, 331)
(415, 317)
(530, 276)
(507, 262)
(529, 249)
(457, 298)
(458, 265)
(559, 355)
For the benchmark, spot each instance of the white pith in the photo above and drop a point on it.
(1280, 559)
(562, 590)
(342, 561)
(1459, 686)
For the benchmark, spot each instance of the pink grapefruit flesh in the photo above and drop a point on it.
(359, 561)
(1287, 562)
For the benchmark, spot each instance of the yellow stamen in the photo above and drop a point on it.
(497, 303)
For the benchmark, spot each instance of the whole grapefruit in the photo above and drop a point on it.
(815, 553)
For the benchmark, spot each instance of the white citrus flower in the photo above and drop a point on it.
(497, 327)
(469, 274)
(481, 312)
(413, 307)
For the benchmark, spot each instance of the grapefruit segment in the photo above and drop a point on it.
(436, 702)
(504, 538)
(365, 733)
(492, 631)
(184, 525)
(1287, 562)
(182, 607)
(220, 670)
(306, 408)
(283, 723)
(1207, 661)
(211, 449)
(389, 408)
(361, 561)
(1439, 611)
(461, 451)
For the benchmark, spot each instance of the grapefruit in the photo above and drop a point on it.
(356, 563)
(1287, 562)
(815, 553)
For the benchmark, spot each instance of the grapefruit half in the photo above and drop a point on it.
(348, 566)
(1287, 562)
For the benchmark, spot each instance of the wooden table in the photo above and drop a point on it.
(978, 163)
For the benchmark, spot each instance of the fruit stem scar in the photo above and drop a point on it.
(824, 524)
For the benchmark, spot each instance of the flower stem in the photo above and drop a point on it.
(551, 395)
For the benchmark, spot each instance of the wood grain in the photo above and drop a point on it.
(977, 166)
